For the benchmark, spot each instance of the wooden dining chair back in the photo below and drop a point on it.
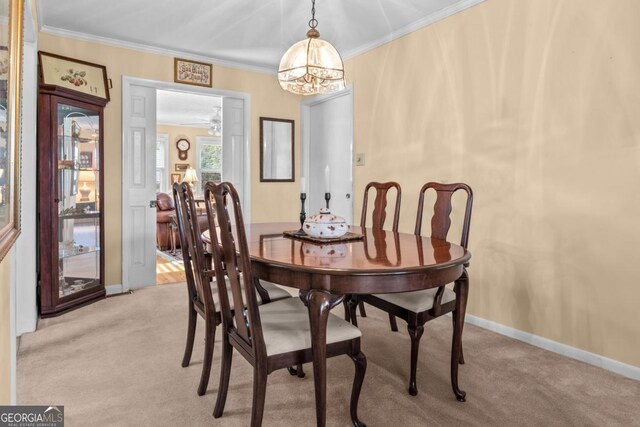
(198, 278)
(419, 307)
(203, 300)
(442, 208)
(441, 221)
(378, 219)
(231, 254)
(284, 322)
(379, 214)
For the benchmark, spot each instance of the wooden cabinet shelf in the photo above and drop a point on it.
(80, 215)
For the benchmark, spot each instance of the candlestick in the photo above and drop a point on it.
(327, 197)
(327, 179)
(303, 215)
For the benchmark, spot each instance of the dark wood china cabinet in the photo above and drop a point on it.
(70, 199)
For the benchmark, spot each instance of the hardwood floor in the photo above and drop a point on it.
(168, 271)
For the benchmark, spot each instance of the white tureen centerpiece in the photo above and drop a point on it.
(325, 225)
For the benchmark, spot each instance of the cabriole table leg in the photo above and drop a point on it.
(462, 292)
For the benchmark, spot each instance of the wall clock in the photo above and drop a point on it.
(183, 146)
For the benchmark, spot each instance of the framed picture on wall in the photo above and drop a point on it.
(11, 46)
(176, 177)
(192, 72)
(182, 167)
(81, 76)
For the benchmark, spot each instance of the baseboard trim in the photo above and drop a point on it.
(114, 289)
(603, 362)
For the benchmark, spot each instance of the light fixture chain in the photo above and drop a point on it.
(313, 23)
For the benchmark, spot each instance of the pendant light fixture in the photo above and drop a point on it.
(311, 66)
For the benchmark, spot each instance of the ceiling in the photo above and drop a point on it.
(185, 109)
(248, 33)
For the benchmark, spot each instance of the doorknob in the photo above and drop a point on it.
(153, 203)
(348, 196)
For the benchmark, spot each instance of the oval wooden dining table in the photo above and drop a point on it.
(381, 262)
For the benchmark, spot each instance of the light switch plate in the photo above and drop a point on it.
(360, 159)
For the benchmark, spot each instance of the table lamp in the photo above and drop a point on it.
(191, 177)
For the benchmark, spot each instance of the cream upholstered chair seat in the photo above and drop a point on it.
(275, 292)
(285, 327)
(417, 301)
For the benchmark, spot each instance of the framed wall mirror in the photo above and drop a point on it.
(276, 150)
(11, 39)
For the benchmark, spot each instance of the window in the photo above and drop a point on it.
(162, 162)
(209, 160)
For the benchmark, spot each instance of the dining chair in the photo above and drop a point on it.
(271, 336)
(202, 301)
(419, 307)
(378, 218)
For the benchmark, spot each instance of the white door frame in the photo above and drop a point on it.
(305, 117)
(127, 82)
(26, 308)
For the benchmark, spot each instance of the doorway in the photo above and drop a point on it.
(215, 125)
(189, 145)
(327, 152)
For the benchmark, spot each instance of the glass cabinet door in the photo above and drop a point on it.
(78, 198)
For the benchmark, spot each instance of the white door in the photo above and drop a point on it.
(233, 141)
(139, 188)
(328, 141)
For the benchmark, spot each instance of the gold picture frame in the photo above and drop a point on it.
(10, 94)
(192, 72)
(176, 178)
(81, 76)
(182, 167)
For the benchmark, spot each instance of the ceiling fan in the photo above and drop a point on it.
(214, 123)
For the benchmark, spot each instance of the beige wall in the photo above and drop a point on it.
(5, 333)
(270, 201)
(178, 132)
(536, 105)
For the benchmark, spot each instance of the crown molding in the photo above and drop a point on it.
(157, 50)
(414, 26)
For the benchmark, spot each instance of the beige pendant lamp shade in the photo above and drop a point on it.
(311, 66)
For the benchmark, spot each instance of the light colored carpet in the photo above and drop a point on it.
(117, 362)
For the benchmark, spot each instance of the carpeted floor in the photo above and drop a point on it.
(117, 363)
